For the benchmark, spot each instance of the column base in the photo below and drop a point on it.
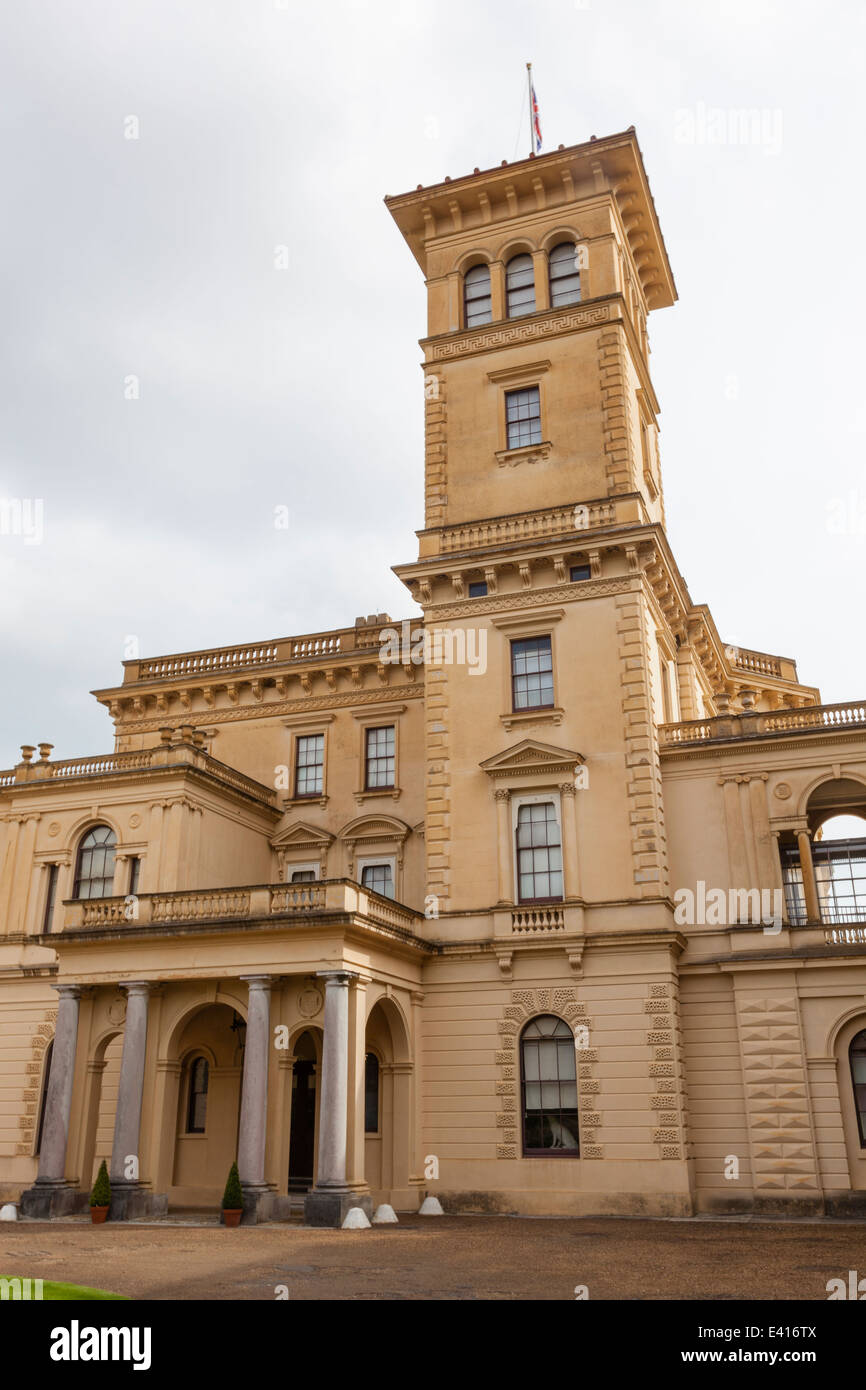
(262, 1203)
(329, 1206)
(47, 1200)
(131, 1201)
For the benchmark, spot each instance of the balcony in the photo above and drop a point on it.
(765, 724)
(294, 904)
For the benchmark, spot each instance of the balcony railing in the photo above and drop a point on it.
(260, 902)
(763, 724)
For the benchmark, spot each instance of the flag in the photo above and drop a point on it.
(536, 122)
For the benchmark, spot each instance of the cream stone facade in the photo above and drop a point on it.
(523, 902)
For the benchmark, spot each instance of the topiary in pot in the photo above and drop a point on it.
(100, 1197)
(233, 1198)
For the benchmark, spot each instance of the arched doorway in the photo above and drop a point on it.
(388, 1129)
(302, 1133)
(836, 844)
(210, 1058)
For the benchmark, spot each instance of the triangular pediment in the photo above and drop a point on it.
(298, 835)
(531, 756)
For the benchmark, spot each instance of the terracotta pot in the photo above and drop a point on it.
(232, 1218)
(98, 1215)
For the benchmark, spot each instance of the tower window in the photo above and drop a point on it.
(564, 275)
(579, 572)
(309, 764)
(478, 589)
(539, 854)
(134, 874)
(50, 896)
(523, 417)
(196, 1112)
(520, 286)
(532, 673)
(477, 304)
(379, 878)
(371, 1093)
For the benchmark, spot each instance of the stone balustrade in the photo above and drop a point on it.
(763, 724)
(165, 754)
(258, 902)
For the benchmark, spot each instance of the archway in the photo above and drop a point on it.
(388, 1133)
(836, 818)
(210, 1058)
(302, 1132)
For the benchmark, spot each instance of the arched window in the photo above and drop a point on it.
(371, 1093)
(94, 871)
(477, 304)
(564, 275)
(46, 1073)
(520, 286)
(857, 1054)
(196, 1109)
(548, 1078)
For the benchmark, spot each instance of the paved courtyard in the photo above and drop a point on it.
(450, 1257)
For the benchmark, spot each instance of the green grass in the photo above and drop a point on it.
(55, 1292)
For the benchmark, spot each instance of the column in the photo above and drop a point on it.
(571, 876)
(810, 887)
(542, 282)
(333, 1121)
(497, 291)
(254, 1095)
(127, 1119)
(503, 840)
(58, 1103)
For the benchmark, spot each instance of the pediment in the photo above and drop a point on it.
(531, 756)
(375, 827)
(299, 835)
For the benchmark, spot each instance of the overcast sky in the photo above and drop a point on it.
(264, 124)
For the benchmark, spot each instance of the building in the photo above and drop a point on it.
(530, 902)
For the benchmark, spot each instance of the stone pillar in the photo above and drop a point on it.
(254, 1100)
(810, 887)
(331, 1198)
(542, 281)
(52, 1195)
(130, 1196)
(497, 291)
(503, 841)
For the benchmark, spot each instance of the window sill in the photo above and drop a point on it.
(519, 718)
(530, 453)
(305, 801)
(373, 792)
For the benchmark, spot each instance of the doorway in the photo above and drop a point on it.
(302, 1142)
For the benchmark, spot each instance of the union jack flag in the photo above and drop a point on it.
(536, 122)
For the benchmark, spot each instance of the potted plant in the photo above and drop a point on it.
(100, 1197)
(233, 1198)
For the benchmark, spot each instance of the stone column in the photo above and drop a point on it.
(254, 1097)
(331, 1198)
(542, 281)
(810, 887)
(127, 1117)
(497, 291)
(503, 840)
(51, 1196)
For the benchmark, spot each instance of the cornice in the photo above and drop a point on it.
(275, 708)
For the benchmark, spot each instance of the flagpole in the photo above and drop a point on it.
(531, 125)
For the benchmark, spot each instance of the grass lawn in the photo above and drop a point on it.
(53, 1292)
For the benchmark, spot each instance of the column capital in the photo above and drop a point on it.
(337, 977)
(263, 982)
(69, 991)
(136, 986)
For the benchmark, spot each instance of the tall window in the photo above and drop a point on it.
(379, 759)
(50, 896)
(539, 854)
(548, 1076)
(532, 673)
(134, 874)
(196, 1111)
(309, 763)
(564, 275)
(857, 1054)
(94, 871)
(371, 1093)
(378, 877)
(523, 417)
(477, 304)
(520, 286)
